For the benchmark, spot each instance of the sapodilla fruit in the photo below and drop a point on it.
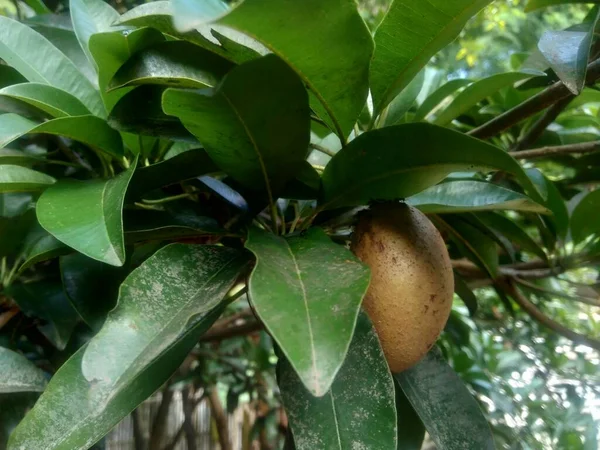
(412, 284)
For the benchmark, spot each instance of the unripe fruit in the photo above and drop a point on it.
(412, 283)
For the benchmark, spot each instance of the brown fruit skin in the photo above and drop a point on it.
(412, 283)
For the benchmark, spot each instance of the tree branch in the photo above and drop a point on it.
(7, 315)
(220, 417)
(159, 424)
(226, 327)
(542, 123)
(540, 317)
(546, 152)
(188, 424)
(139, 442)
(552, 94)
(535, 287)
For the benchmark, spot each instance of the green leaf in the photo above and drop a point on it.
(462, 289)
(47, 301)
(158, 15)
(438, 99)
(357, 412)
(90, 130)
(38, 6)
(479, 91)
(41, 246)
(21, 179)
(140, 111)
(568, 52)
(9, 76)
(396, 111)
(91, 286)
(40, 62)
(409, 35)
(190, 14)
(91, 17)
(318, 286)
(451, 415)
(559, 220)
(584, 220)
(341, 45)
(112, 50)
(87, 216)
(472, 242)
(465, 196)
(14, 230)
(411, 431)
(51, 100)
(255, 126)
(18, 374)
(512, 231)
(164, 307)
(532, 5)
(12, 409)
(174, 63)
(389, 163)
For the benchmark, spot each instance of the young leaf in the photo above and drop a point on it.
(478, 91)
(317, 286)
(18, 374)
(90, 130)
(90, 17)
(87, 216)
(91, 286)
(21, 179)
(584, 220)
(341, 45)
(409, 35)
(49, 99)
(450, 413)
(174, 63)
(358, 410)
(387, 164)
(164, 306)
(47, 301)
(39, 61)
(255, 126)
(464, 196)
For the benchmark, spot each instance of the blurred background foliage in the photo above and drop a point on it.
(540, 391)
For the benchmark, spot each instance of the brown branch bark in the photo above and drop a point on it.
(554, 93)
(220, 417)
(535, 287)
(546, 152)
(159, 424)
(188, 423)
(139, 442)
(217, 333)
(540, 317)
(7, 315)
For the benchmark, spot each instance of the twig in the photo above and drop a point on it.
(220, 417)
(554, 93)
(322, 149)
(542, 123)
(7, 315)
(546, 152)
(215, 334)
(540, 317)
(535, 287)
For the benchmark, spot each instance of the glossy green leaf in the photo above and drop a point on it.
(53, 101)
(559, 220)
(47, 301)
(190, 14)
(14, 204)
(473, 242)
(465, 195)
(158, 15)
(21, 179)
(10, 76)
(357, 412)
(255, 126)
(409, 35)
(338, 72)
(512, 231)
(111, 50)
(318, 286)
(90, 17)
(451, 415)
(18, 374)
(462, 289)
(568, 52)
(478, 91)
(87, 216)
(584, 220)
(411, 431)
(389, 163)
(140, 111)
(40, 62)
(90, 130)
(164, 306)
(396, 111)
(438, 99)
(41, 246)
(38, 6)
(91, 286)
(174, 63)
